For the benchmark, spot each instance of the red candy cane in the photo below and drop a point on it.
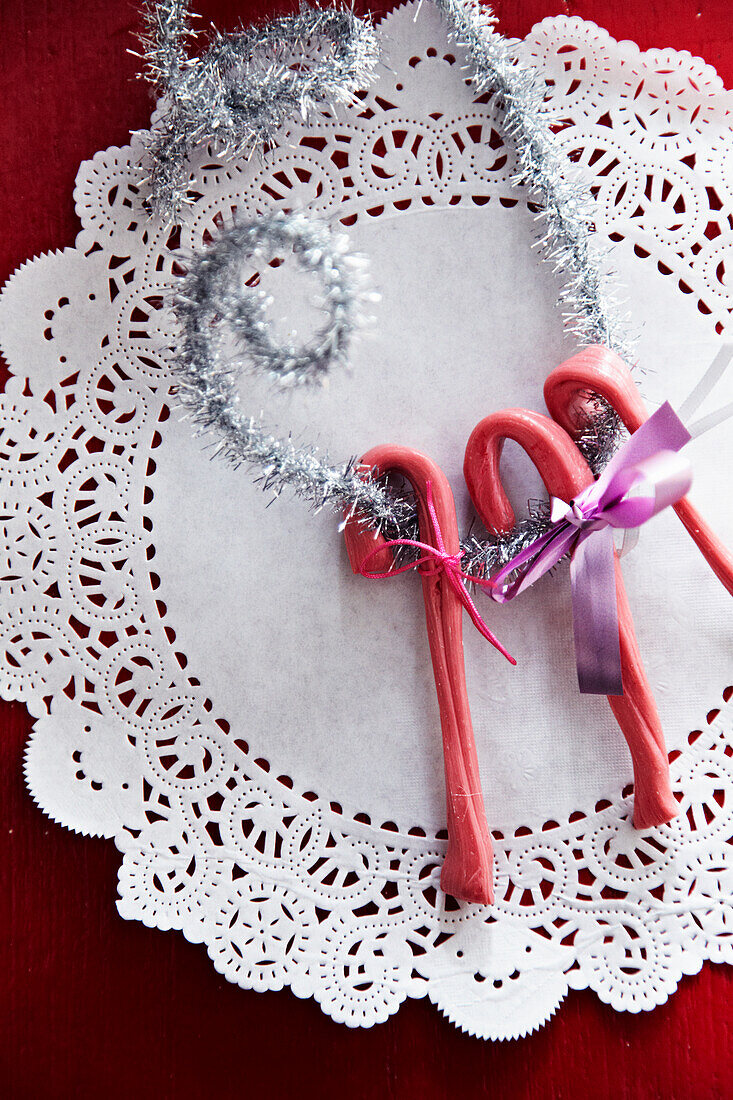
(467, 868)
(565, 473)
(569, 391)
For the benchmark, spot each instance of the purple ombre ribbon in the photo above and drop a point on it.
(645, 475)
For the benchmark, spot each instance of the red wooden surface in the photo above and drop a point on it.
(93, 1006)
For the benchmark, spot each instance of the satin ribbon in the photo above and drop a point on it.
(646, 475)
(443, 562)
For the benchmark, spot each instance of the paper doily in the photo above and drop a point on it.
(222, 837)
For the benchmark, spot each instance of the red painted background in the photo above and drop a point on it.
(92, 1006)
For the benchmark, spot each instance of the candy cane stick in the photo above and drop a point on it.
(565, 473)
(467, 867)
(569, 391)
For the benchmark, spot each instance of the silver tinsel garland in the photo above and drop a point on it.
(244, 86)
(229, 93)
(210, 300)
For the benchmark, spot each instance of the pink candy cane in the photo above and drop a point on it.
(565, 473)
(467, 867)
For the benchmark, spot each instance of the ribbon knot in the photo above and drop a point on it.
(645, 475)
(582, 514)
(440, 561)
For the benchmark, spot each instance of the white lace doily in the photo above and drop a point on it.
(260, 740)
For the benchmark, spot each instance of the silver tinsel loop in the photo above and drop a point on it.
(244, 86)
(213, 291)
(211, 297)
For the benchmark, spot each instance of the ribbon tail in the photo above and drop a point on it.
(595, 615)
(479, 623)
